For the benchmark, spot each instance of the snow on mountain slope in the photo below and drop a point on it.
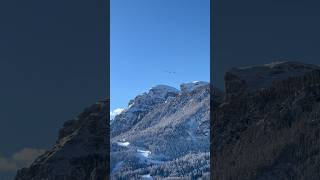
(115, 112)
(186, 167)
(140, 106)
(188, 87)
(177, 124)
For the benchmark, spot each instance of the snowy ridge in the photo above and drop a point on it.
(145, 102)
(162, 90)
(140, 106)
(189, 87)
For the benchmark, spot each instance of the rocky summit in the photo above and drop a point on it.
(268, 125)
(163, 134)
(80, 153)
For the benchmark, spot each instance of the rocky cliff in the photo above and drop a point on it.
(268, 126)
(80, 153)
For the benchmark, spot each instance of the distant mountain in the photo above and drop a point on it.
(80, 153)
(164, 133)
(268, 125)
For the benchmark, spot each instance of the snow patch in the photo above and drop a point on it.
(144, 153)
(123, 144)
(116, 112)
(146, 158)
(147, 177)
(161, 91)
(130, 105)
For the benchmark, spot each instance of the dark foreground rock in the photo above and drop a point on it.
(268, 126)
(81, 151)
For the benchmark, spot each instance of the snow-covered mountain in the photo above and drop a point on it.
(140, 106)
(161, 129)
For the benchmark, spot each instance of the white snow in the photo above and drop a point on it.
(145, 157)
(147, 177)
(160, 91)
(116, 112)
(130, 105)
(123, 144)
(144, 153)
(188, 87)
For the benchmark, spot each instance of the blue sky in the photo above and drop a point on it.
(150, 38)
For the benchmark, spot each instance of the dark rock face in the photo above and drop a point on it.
(81, 151)
(268, 126)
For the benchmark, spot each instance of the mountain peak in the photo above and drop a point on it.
(161, 91)
(163, 87)
(188, 87)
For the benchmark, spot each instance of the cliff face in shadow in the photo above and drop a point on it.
(268, 125)
(80, 153)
